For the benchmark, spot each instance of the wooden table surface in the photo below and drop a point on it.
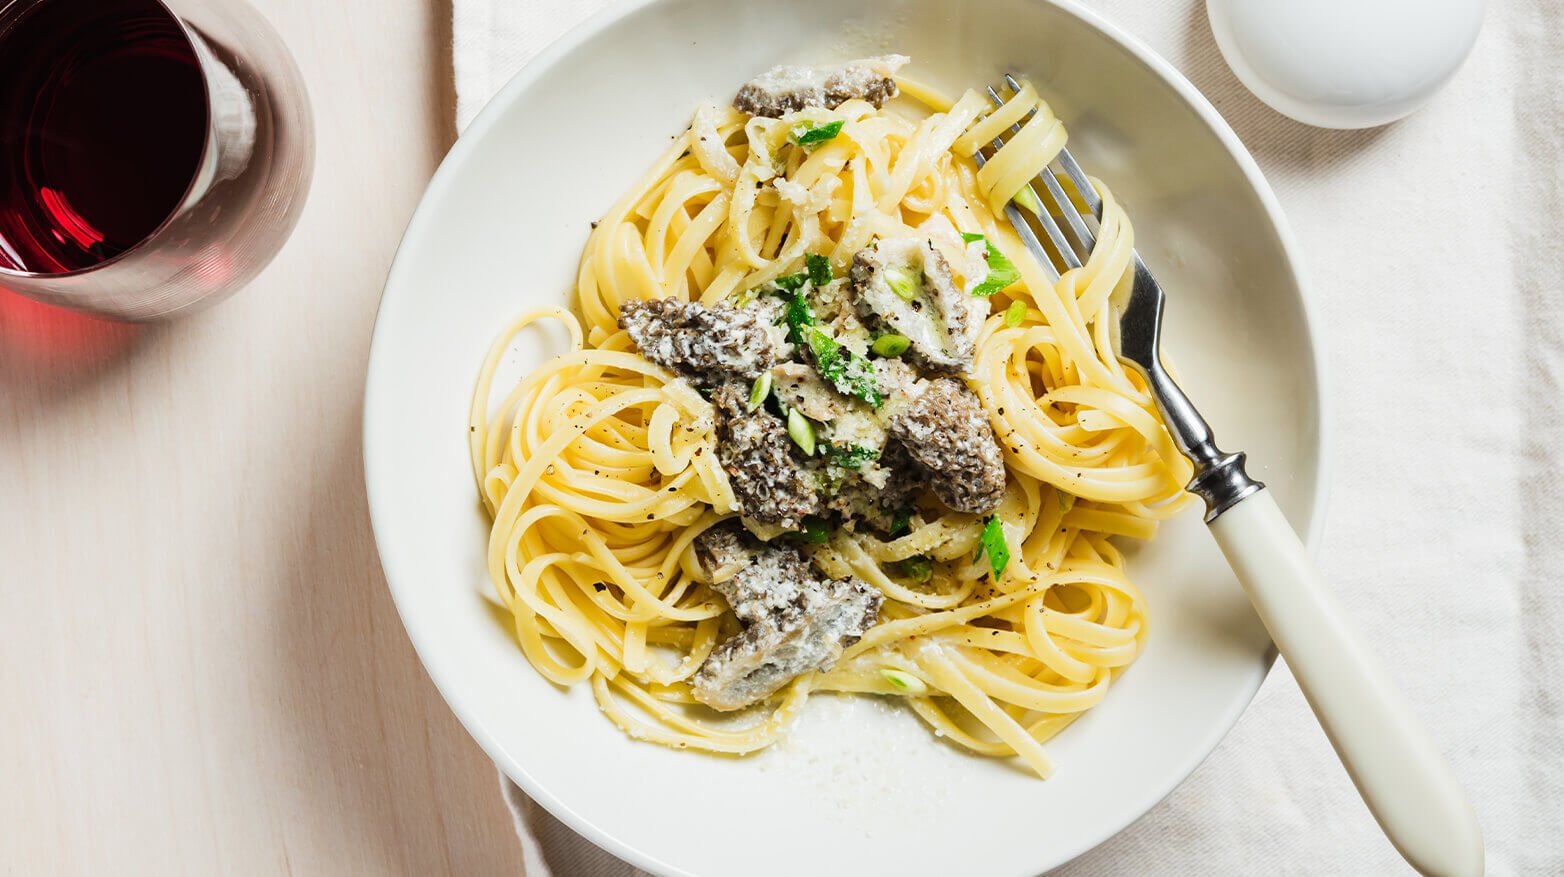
(201, 669)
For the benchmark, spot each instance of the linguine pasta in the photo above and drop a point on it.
(599, 470)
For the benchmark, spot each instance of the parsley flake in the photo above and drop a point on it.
(851, 456)
(815, 531)
(791, 282)
(1001, 271)
(849, 373)
(819, 268)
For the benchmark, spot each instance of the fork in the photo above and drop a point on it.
(1406, 783)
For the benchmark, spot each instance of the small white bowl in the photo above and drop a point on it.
(1345, 63)
(859, 787)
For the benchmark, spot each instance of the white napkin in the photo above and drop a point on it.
(1436, 249)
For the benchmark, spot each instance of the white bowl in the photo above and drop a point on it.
(859, 787)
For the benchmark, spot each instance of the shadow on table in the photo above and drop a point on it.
(48, 353)
(1278, 142)
(442, 84)
(386, 760)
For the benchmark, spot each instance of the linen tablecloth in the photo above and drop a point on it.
(1435, 249)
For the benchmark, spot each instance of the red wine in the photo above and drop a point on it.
(103, 124)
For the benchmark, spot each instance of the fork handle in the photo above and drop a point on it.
(1398, 770)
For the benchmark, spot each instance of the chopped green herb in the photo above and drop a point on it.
(801, 431)
(1001, 271)
(905, 682)
(891, 345)
(901, 521)
(1027, 199)
(1015, 314)
(918, 568)
(759, 392)
(811, 134)
(819, 269)
(851, 374)
(791, 282)
(743, 298)
(822, 345)
(815, 531)
(829, 480)
(903, 282)
(992, 542)
(850, 456)
(797, 315)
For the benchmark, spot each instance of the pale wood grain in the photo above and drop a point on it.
(200, 668)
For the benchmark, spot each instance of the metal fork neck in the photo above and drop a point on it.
(1220, 478)
(1223, 484)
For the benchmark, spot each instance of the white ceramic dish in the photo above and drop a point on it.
(860, 787)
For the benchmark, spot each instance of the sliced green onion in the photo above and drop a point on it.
(904, 682)
(992, 542)
(903, 282)
(1015, 314)
(890, 345)
(918, 568)
(801, 431)
(759, 392)
(811, 134)
(1027, 199)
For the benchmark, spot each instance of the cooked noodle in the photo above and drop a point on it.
(599, 470)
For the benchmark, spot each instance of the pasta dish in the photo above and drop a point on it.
(827, 426)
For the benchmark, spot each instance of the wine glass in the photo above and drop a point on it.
(154, 154)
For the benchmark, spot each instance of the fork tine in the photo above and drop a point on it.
(1067, 209)
(1071, 216)
(1018, 219)
(1082, 184)
(1024, 229)
(1029, 238)
(1051, 228)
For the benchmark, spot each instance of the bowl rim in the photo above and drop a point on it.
(533, 71)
